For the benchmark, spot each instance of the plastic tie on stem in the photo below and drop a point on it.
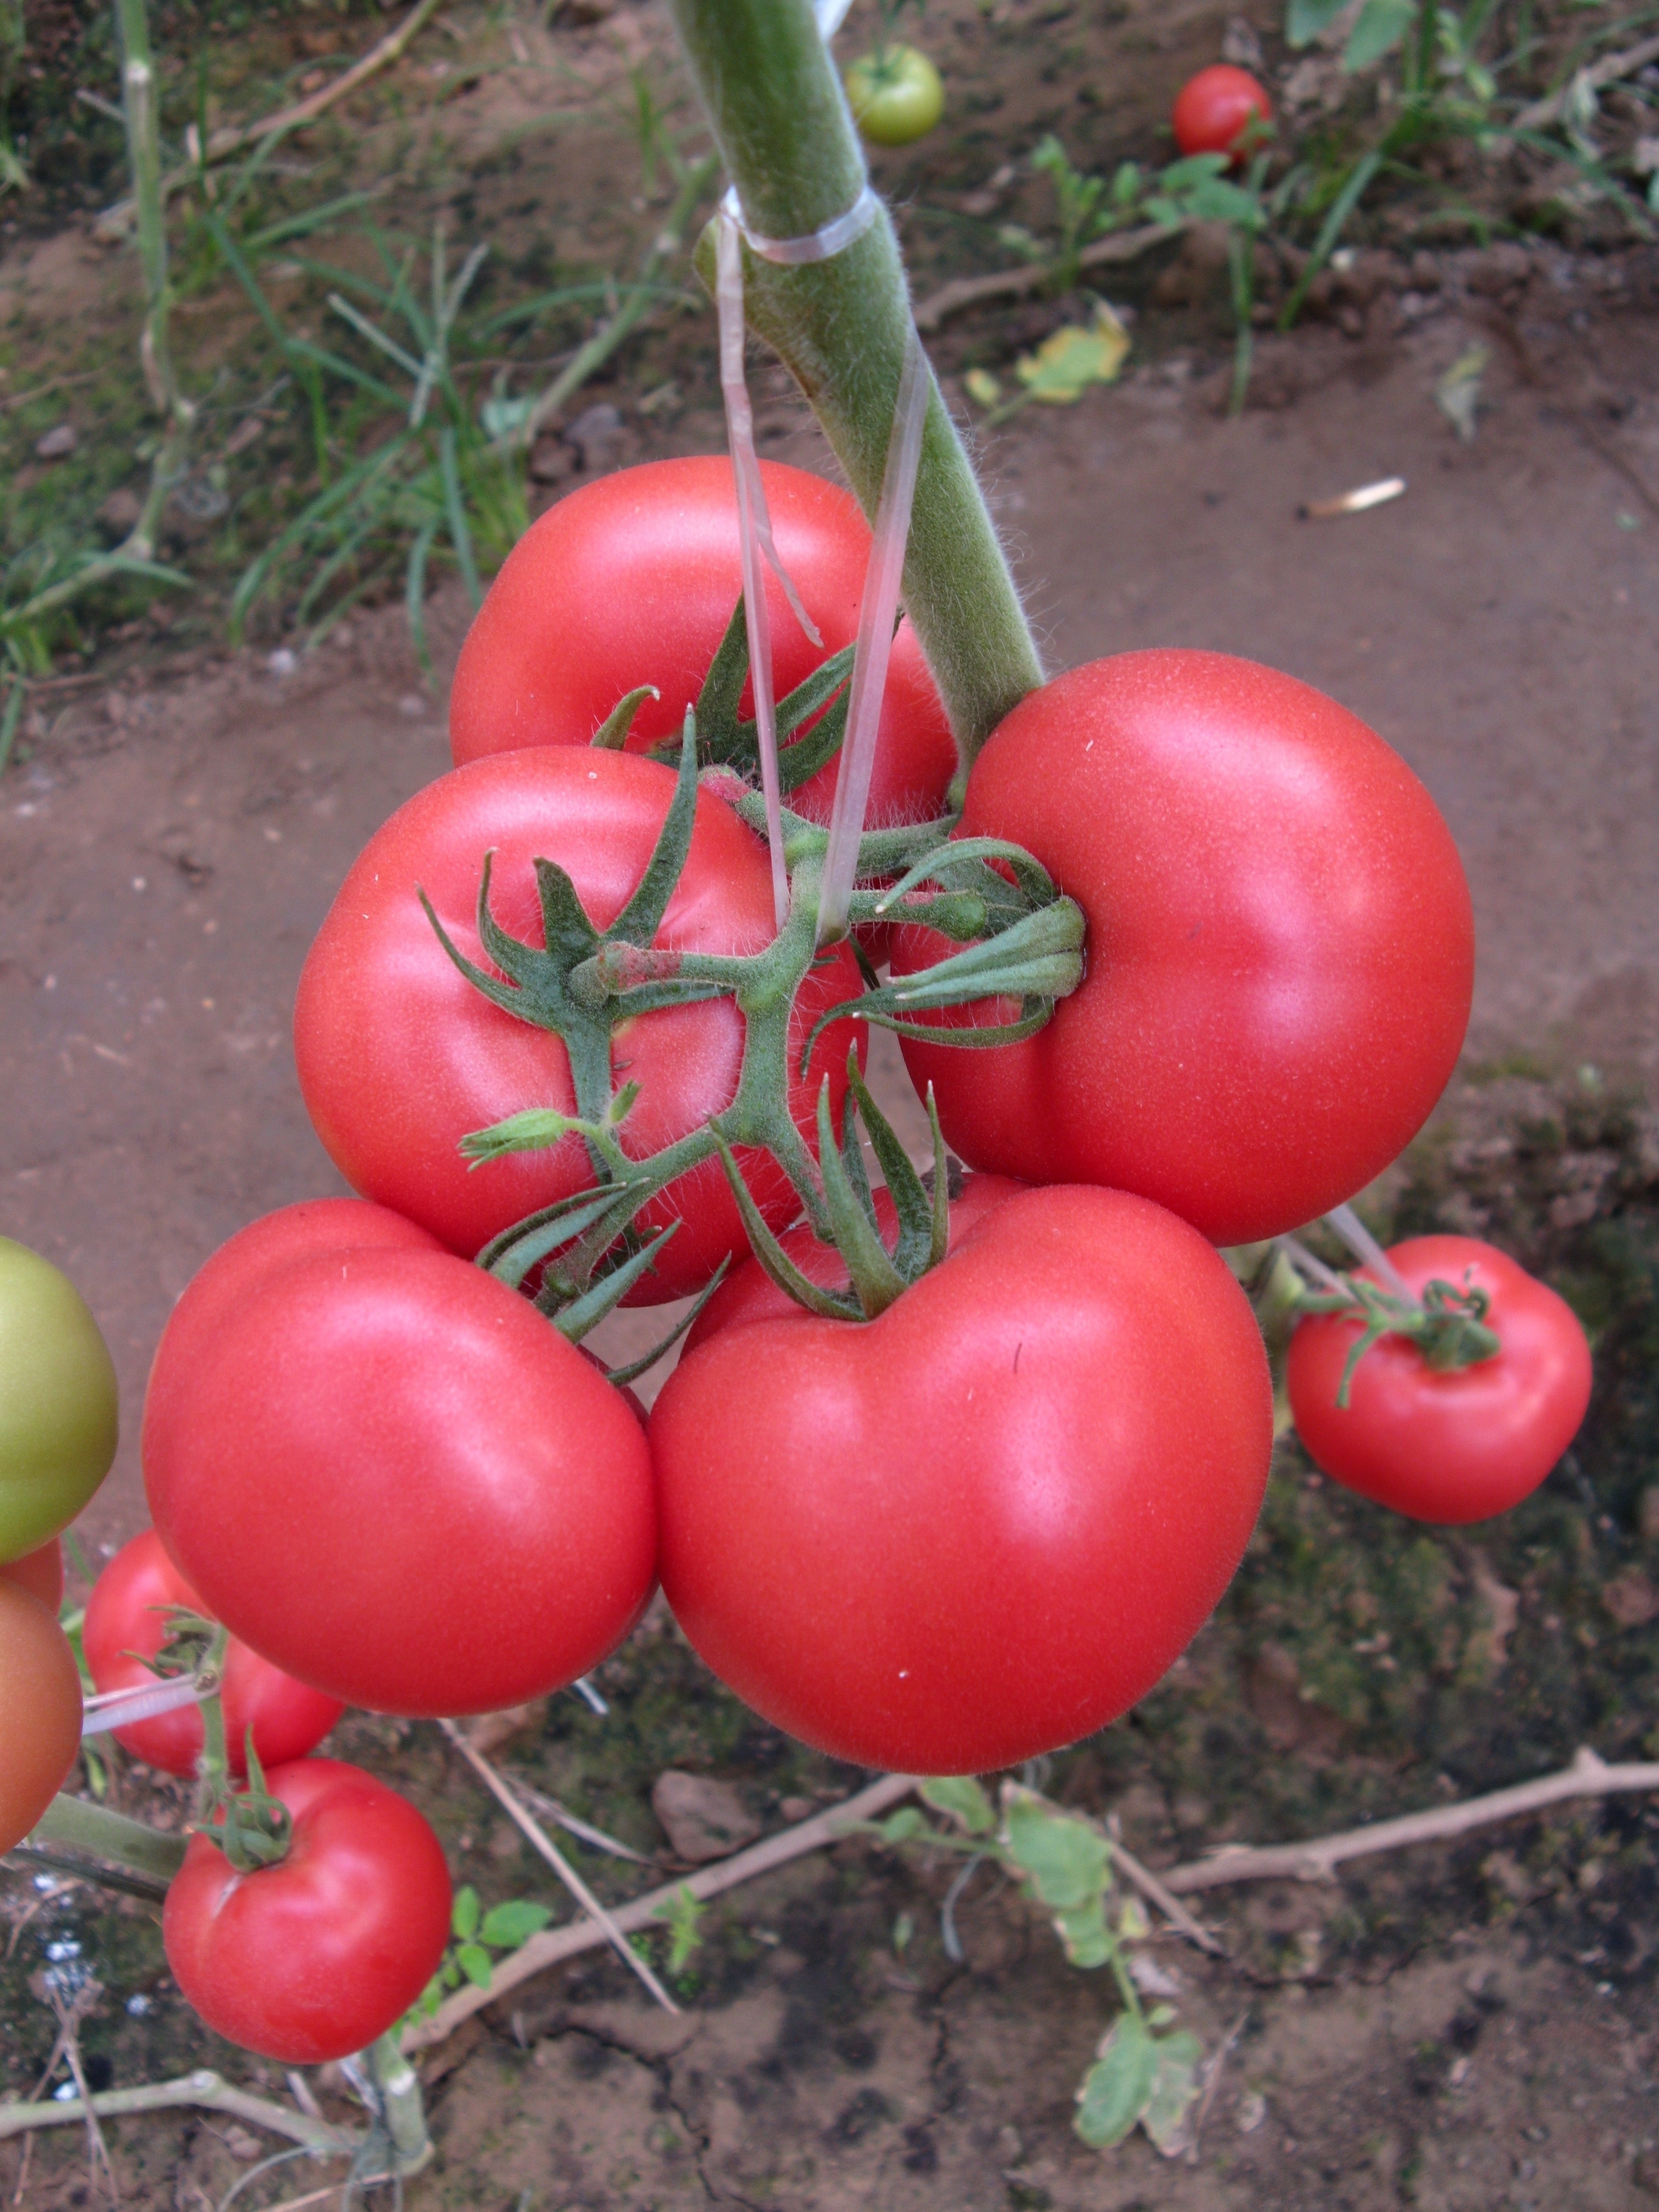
(754, 521)
(143, 1701)
(883, 582)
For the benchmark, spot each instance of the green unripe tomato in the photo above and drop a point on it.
(58, 1401)
(895, 95)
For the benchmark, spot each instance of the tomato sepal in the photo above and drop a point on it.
(876, 1276)
(255, 1829)
(1447, 1324)
(611, 736)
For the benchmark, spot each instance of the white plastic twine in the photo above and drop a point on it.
(885, 574)
(1366, 1249)
(116, 1709)
(882, 582)
(753, 539)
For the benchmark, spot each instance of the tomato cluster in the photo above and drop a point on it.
(941, 1482)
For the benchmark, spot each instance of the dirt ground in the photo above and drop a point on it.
(1474, 2029)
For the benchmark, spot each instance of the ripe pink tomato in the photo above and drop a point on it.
(40, 1696)
(1447, 1445)
(632, 579)
(1281, 950)
(750, 1294)
(127, 1623)
(399, 1056)
(1213, 110)
(41, 1571)
(986, 1522)
(396, 1481)
(316, 1957)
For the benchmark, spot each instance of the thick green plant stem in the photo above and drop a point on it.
(841, 327)
(402, 2114)
(107, 1835)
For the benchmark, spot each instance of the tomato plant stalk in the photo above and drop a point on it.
(840, 326)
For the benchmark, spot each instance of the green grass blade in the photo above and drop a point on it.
(455, 515)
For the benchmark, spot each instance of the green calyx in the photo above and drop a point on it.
(877, 1275)
(1020, 939)
(256, 1829)
(1448, 1324)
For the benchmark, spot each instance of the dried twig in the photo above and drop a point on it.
(231, 138)
(554, 1945)
(1317, 1859)
(1211, 2083)
(203, 2088)
(1608, 70)
(234, 137)
(1142, 1879)
(70, 2013)
(1012, 283)
(532, 1830)
(551, 1809)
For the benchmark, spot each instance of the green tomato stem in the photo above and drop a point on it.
(105, 1834)
(402, 2112)
(840, 326)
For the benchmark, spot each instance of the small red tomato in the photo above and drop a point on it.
(40, 1697)
(986, 1522)
(1447, 1445)
(633, 579)
(41, 1571)
(1213, 110)
(316, 1957)
(127, 1623)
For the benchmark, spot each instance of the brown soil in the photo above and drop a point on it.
(165, 857)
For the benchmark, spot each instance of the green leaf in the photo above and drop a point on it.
(1305, 19)
(474, 1962)
(961, 1797)
(1066, 1863)
(1381, 26)
(1173, 2091)
(1082, 1929)
(1116, 2088)
(683, 1913)
(506, 1926)
(903, 1827)
(1072, 359)
(464, 1917)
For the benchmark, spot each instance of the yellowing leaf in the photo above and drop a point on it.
(982, 386)
(1066, 363)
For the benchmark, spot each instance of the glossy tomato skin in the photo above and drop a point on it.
(633, 579)
(1446, 1446)
(41, 1571)
(394, 1479)
(58, 1401)
(749, 1293)
(399, 1056)
(314, 1958)
(127, 1622)
(1280, 948)
(986, 1523)
(1215, 108)
(40, 1696)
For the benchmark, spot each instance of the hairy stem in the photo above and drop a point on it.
(840, 326)
(107, 1835)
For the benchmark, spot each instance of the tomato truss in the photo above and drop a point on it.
(1021, 940)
